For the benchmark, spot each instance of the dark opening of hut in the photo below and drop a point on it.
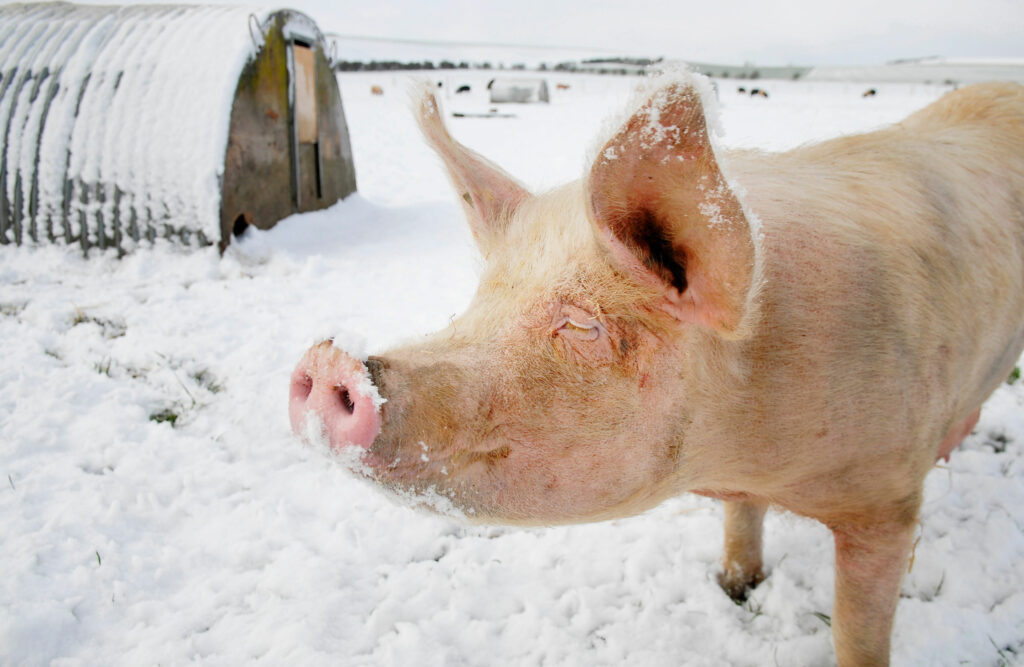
(125, 124)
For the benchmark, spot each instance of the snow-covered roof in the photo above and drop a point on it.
(519, 89)
(125, 109)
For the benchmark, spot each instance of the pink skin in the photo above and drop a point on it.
(957, 434)
(523, 461)
(634, 336)
(582, 332)
(326, 382)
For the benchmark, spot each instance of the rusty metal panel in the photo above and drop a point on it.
(305, 94)
(268, 174)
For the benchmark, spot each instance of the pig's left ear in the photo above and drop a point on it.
(489, 195)
(663, 209)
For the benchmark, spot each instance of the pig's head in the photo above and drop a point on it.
(566, 390)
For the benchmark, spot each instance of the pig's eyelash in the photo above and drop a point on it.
(576, 325)
(590, 330)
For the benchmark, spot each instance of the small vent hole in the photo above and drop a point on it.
(241, 224)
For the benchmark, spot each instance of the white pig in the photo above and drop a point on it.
(810, 330)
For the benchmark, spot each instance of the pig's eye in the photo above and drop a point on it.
(583, 336)
(583, 330)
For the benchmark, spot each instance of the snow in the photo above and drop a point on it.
(962, 71)
(157, 509)
(109, 102)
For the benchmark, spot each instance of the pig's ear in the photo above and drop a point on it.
(664, 210)
(488, 194)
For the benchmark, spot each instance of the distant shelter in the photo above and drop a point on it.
(519, 90)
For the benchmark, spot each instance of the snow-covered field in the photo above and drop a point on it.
(157, 510)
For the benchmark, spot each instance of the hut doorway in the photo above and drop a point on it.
(305, 124)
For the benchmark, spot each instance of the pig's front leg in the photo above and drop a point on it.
(741, 557)
(870, 561)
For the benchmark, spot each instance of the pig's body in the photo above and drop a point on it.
(815, 341)
(887, 315)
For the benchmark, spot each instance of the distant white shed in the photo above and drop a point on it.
(520, 91)
(122, 124)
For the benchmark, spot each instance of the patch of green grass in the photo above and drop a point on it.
(824, 618)
(165, 415)
(998, 442)
(12, 309)
(1007, 654)
(1014, 375)
(114, 369)
(207, 380)
(103, 367)
(754, 609)
(110, 328)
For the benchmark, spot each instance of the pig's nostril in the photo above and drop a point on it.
(345, 399)
(303, 387)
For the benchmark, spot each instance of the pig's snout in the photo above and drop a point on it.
(337, 389)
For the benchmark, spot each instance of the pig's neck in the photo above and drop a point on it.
(823, 384)
(759, 407)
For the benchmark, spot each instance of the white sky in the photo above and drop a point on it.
(801, 32)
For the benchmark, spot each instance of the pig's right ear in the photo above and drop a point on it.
(489, 195)
(664, 210)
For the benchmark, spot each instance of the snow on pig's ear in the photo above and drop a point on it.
(663, 209)
(488, 194)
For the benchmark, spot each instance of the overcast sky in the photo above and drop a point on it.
(801, 32)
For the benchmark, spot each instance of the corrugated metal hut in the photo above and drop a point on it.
(520, 91)
(123, 124)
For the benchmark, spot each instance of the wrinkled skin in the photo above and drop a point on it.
(500, 413)
(809, 340)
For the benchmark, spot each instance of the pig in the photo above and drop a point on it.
(809, 330)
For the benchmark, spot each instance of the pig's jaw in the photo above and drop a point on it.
(493, 473)
(416, 480)
(500, 485)
(520, 470)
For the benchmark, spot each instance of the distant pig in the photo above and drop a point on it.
(810, 330)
